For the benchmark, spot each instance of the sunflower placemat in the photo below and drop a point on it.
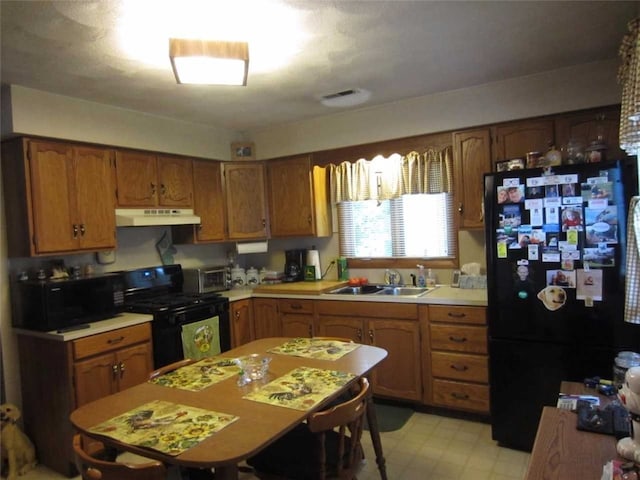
(164, 426)
(315, 348)
(302, 388)
(199, 375)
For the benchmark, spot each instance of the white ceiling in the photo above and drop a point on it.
(394, 49)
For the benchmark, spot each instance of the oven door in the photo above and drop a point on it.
(169, 330)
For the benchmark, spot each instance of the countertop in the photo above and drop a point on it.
(442, 295)
(119, 321)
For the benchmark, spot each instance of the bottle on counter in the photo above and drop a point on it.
(431, 279)
(421, 280)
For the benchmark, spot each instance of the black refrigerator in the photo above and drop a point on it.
(555, 244)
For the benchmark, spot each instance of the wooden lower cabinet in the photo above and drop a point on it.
(266, 319)
(297, 317)
(455, 357)
(241, 318)
(393, 327)
(57, 377)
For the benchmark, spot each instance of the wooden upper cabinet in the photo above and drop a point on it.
(472, 159)
(298, 200)
(62, 197)
(585, 127)
(244, 184)
(147, 180)
(175, 178)
(208, 204)
(136, 179)
(516, 139)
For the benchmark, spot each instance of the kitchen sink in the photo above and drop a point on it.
(362, 290)
(403, 291)
(396, 290)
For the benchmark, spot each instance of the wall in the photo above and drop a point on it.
(27, 111)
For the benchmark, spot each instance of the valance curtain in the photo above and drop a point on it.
(388, 178)
(629, 77)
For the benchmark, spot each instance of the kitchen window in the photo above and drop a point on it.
(397, 210)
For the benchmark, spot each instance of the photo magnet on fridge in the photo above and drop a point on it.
(552, 297)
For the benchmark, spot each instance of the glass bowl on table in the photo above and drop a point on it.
(252, 367)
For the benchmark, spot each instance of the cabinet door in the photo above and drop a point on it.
(266, 320)
(95, 378)
(241, 319)
(55, 227)
(400, 374)
(343, 327)
(246, 202)
(472, 158)
(209, 200)
(136, 180)
(515, 140)
(175, 177)
(95, 197)
(290, 197)
(134, 365)
(297, 325)
(585, 127)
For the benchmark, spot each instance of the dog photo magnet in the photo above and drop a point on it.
(552, 297)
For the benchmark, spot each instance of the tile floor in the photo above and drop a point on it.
(427, 446)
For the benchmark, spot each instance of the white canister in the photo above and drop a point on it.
(313, 259)
(253, 277)
(238, 277)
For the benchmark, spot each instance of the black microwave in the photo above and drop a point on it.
(59, 304)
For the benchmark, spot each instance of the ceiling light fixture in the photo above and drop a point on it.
(209, 62)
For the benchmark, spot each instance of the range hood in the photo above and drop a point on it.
(144, 217)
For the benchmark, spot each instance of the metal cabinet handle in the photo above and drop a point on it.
(457, 339)
(460, 396)
(113, 341)
(121, 369)
(459, 368)
(114, 370)
(238, 314)
(460, 208)
(310, 219)
(264, 222)
(371, 335)
(75, 231)
(359, 334)
(163, 189)
(82, 229)
(153, 188)
(456, 315)
(295, 306)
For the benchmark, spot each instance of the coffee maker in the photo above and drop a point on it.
(294, 265)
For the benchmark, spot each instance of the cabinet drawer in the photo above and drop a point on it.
(465, 396)
(458, 366)
(291, 305)
(103, 342)
(454, 314)
(458, 338)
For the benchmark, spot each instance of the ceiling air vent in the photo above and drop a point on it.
(346, 98)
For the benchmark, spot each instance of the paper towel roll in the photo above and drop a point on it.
(313, 259)
(252, 247)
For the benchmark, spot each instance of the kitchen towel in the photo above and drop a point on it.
(201, 339)
(632, 299)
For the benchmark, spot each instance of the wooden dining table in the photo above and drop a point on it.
(258, 424)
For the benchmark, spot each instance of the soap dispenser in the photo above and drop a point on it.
(422, 281)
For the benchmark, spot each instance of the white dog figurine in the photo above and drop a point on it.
(629, 394)
(17, 449)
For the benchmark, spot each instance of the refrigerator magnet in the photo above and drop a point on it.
(533, 252)
(502, 249)
(552, 297)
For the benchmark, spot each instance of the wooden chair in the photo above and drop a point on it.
(171, 367)
(326, 446)
(93, 468)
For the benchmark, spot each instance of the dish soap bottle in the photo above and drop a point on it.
(421, 280)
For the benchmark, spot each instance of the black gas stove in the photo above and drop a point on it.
(158, 291)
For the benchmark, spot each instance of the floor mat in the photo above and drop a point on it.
(391, 417)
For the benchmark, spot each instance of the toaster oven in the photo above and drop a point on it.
(206, 279)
